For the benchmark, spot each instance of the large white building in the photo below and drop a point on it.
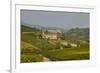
(51, 34)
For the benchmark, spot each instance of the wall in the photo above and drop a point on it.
(5, 36)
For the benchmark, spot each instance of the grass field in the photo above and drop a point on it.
(68, 54)
(57, 55)
(34, 49)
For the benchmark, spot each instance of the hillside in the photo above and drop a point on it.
(36, 49)
(28, 29)
(78, 33)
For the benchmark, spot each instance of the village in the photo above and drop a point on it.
(55, 36)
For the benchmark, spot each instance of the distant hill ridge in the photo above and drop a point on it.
(30, 28)
(79, 32)
(43, 26)
(25, 28)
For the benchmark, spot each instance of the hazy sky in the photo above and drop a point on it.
(55, 19)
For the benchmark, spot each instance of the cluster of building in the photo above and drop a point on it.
(51, 34)
(56, 35)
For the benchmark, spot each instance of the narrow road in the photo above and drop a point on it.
(45, 59)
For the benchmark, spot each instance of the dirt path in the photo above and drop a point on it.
(45, 59)
(30, 45)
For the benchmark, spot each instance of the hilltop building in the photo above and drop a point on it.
(51, 34)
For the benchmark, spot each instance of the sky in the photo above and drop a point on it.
(59, 19)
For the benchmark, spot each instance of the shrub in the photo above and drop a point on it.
(31, 58)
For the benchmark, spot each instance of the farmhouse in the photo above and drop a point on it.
(73, 45)
(51, 34)
(65, 43)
